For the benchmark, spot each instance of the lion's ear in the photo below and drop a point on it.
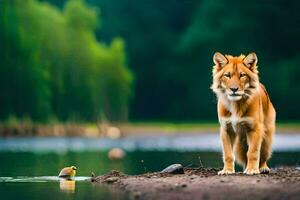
(220, 60)
(250, 61)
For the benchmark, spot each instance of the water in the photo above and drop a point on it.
(29, 166)
(181, 142)
(53, 190)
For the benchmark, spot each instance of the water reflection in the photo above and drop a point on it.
(67, 186)
(36, 188)
(41, 179)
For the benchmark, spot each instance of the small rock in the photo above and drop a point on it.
(183, 185)
(116, 154)
(174, 169)
(115, 173)
(111, 179)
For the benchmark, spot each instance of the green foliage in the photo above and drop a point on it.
(52, 65)
(287, 86)
(232, 27)
(171, 43)
(80, 16)
(69, 74)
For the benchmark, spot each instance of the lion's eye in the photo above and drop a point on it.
(227, 75)
(242, 75)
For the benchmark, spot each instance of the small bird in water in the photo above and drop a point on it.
(68, 172)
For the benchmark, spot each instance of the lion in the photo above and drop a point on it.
(246, 114)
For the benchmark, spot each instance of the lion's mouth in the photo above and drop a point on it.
(235, 95)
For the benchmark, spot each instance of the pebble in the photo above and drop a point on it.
(111, 179)
(183, 185)
(116, 154)
(174, 169)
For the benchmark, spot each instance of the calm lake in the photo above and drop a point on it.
(29, 166)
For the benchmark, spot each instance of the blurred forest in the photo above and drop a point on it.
(146, 60)
(52, 65)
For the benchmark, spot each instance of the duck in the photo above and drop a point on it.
(68, 172)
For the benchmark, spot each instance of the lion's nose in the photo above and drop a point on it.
(234, 89)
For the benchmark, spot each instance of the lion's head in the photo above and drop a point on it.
(235, 78)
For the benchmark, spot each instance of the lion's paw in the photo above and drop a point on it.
(226, 171)
(264, 170)
(250, 171)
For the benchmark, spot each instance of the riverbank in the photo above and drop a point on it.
(204, 183)
(116, 130)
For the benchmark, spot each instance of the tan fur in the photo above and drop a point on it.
(246, 114)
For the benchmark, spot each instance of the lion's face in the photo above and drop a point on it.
(235, 78)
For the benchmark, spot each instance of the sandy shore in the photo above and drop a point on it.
(203, 183)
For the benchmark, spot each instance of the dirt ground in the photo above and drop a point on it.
(204, 183)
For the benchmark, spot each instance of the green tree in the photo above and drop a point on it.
(52, 63)
(24, 78)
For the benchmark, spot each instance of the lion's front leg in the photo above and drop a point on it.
(228, 157)
(254, 140)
